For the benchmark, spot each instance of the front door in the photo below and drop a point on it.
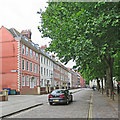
(32, 83)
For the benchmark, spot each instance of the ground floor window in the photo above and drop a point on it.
(31, 83)
(41, 82)
(23, 80)
(37, 81)
(27, 80)
(34, 81)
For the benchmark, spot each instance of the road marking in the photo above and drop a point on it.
(90, 114)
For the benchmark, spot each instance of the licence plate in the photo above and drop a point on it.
(55, 100)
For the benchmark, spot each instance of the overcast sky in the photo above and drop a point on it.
(22, 15)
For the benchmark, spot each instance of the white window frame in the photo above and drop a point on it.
(37, 81)
(23, 66)
(31, 70)
(44, 71)
(27, 51)
(34, 68)
(23, 49)
(37, 69)
(34, 55)
(27, 65)
(30, 53)
(44, 60)
(37, 56)
(47, 72)
(34, 81)
(28, 81)
(41, 59)
(47, 62)
(41, 83)
(44, 82)
(23, 80)
(41, 70)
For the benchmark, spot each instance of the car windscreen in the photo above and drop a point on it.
(57, 92)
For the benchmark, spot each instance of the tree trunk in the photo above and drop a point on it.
(98, 84)
(102, 85)
(105, 79)
(109, 75)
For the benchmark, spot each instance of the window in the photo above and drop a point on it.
(34, 55)
(34, 81)
(27, 65)
(41, 70)
(34, 68)
(44, 60)
(47, 61)
(27, 51)
(41, 83)
(31, 67)
(37, 56)
(44, 71)
(23, 80)
(23, 49)
(47, 72)
(44, 82)
(23, 64)
(37, 69)
(37, 81)
(27, 80)
(41, 59)
(30, 53)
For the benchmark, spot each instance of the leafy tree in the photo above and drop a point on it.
(86, 33)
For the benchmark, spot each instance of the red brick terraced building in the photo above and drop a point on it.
(20, 62)
(22, 66)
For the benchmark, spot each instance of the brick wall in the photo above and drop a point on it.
(28, 91)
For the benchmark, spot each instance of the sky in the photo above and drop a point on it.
(22, 15)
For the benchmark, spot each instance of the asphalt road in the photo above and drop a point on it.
(79, 108)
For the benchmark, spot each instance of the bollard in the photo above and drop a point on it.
(5, 92)
(38, 90)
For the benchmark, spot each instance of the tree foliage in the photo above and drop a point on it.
(84, 32)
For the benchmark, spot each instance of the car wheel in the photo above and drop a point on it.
(50, 103)
(67, 102)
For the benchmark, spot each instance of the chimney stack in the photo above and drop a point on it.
(27, 33)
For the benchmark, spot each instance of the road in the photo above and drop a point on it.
(79, 108)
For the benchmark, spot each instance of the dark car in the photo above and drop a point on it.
(60, 96)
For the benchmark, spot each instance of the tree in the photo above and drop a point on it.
(85, 33)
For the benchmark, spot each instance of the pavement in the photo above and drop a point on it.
(100, 105)
(103, 106)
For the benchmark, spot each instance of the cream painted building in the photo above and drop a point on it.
(46, 69)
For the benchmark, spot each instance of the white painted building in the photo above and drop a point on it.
(46, 69)
(94, 82)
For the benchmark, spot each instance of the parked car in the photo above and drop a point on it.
(60, 96)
